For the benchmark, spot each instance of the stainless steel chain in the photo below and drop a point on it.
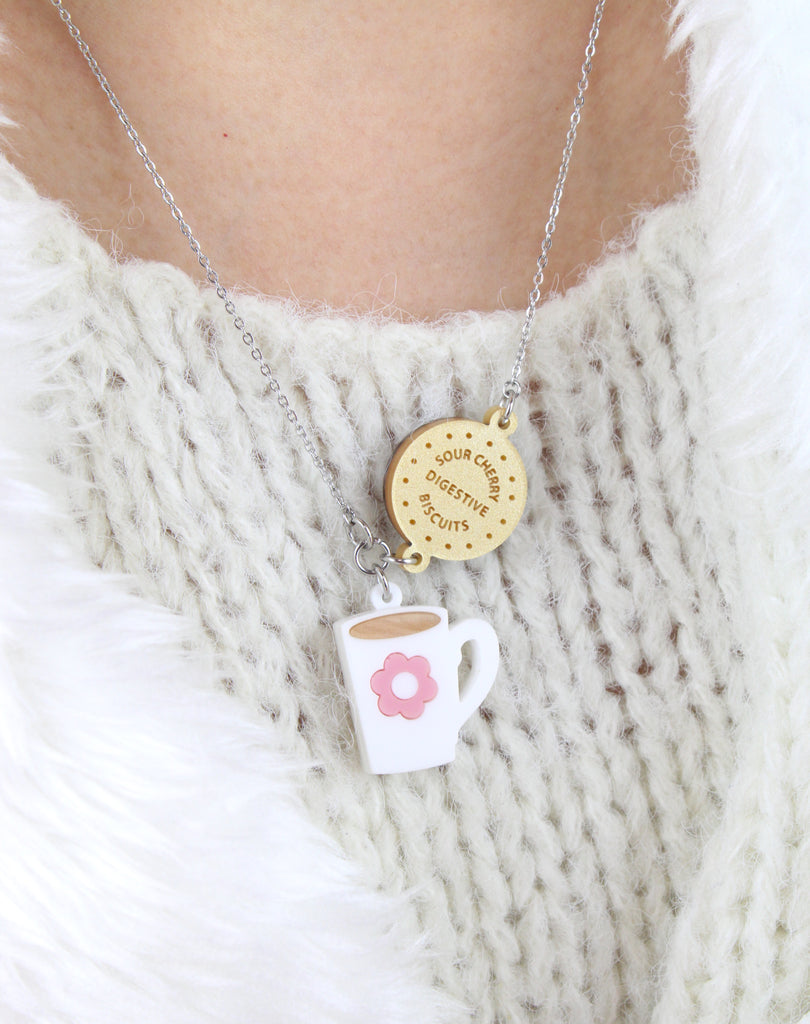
(511, 389)
(371, 554)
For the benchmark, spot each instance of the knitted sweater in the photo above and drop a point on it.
(623, 834)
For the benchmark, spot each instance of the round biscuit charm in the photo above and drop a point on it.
(455, 488)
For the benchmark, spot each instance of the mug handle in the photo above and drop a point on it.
(486, 655)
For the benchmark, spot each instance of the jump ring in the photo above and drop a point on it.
(511, 391)
(410, 560)
(366, 537)
(382, 579)
(379, 564)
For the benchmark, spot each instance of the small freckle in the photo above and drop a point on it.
(489, 536)
(448, 546)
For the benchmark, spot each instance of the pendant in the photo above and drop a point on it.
(401, 667)
(455, 489)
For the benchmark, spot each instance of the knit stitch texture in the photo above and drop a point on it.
(622, 833)
(547, 862)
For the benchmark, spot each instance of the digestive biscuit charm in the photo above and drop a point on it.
(455, 488)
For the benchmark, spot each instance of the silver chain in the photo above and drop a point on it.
(371, 554)
(511, 389)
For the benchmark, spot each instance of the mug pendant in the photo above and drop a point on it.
(455, 488)
(401, 670)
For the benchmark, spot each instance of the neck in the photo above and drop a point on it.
(368, 155)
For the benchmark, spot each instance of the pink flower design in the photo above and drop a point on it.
(382, 683)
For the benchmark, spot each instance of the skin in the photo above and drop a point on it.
(368, 154)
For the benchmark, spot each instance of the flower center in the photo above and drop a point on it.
(404, 685)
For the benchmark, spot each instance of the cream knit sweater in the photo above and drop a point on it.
(624, 832)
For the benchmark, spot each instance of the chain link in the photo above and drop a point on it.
(365, 541)
(511, 389)
(350, 516)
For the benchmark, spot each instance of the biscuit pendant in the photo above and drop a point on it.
(455, 488)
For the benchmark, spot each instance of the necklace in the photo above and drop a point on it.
(454, 489)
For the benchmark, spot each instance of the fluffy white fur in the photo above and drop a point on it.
(155, 862)
(740, 949)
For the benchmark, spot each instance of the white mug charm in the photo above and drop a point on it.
(401, 672)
